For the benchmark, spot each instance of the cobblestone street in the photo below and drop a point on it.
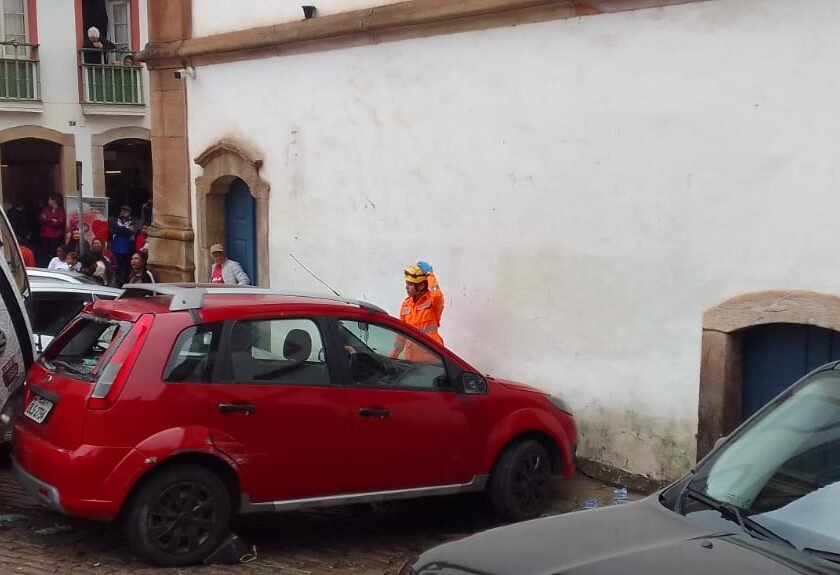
(359, 540)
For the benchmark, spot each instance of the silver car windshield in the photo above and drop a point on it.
(783, 470)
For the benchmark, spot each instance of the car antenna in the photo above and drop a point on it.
(310, 272)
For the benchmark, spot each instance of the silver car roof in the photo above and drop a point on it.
(58, 276)
(65, 287)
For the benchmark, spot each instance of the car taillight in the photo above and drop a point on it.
(115, 373)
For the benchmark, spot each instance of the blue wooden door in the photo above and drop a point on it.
(776, 355)
(241, 227)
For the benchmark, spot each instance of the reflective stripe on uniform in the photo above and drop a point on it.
(405, 311)
(430, 329)
(425, 305)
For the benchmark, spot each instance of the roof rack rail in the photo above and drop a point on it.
(187, 296)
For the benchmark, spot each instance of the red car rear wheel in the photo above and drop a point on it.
(179, 516)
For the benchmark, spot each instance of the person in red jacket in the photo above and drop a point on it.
(419, 310)
(141, 240)
(52, 220)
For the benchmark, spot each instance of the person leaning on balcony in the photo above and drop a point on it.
(94, 42)
(224, 270)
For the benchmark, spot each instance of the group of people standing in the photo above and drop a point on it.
(59, 249)
(126, 263)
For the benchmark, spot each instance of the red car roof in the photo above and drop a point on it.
(214, 303)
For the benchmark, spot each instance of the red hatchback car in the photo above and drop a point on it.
(176, 406)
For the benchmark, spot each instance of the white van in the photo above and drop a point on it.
(16, 348)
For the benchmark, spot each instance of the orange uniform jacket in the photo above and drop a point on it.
(437, 294)
(423, 315)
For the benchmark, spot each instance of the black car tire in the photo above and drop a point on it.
(520, 483)
(170, 501)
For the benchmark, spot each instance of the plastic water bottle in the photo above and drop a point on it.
(590, 503)
(620, 496)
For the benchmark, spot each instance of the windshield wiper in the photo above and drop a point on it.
(822, 554)
(733, 513)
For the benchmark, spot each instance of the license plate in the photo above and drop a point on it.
(38, 409)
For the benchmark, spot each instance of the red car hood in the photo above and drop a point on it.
(519, 386)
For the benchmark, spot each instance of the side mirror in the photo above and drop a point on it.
(473, 383)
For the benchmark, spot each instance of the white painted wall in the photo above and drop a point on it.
(216, 16)
(59, 85)
(584, 188)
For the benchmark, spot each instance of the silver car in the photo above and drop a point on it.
(55, 303)
(58, 276)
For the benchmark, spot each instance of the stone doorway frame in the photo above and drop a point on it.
(721, 362)
(97, 152)
(67, 158)
(222, 163)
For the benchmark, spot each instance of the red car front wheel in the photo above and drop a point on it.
(520, 484)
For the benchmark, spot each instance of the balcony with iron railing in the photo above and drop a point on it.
(112, 83)
(20, 79)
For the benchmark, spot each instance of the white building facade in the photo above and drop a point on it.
(72, 118)
(619, 202)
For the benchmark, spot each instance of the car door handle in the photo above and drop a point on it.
(235, 407)
(374, 412)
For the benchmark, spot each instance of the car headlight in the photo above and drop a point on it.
(559, 404)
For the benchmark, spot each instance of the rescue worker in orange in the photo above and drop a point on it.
(419, 310)
(434, 287)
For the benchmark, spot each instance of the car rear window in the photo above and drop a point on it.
(83, 348)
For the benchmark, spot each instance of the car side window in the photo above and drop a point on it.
(281, 351)
(383, 357)
(51, 311)
(193, 355)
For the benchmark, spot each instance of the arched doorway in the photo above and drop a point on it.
(241, 227)
(770, 337)
(31, 172)
(128, 176)
(232, 208)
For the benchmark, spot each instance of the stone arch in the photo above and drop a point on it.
(222, 163)
(719, 409)
(68, 150)
(97, 151)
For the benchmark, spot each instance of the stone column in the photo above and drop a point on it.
(171, 234)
